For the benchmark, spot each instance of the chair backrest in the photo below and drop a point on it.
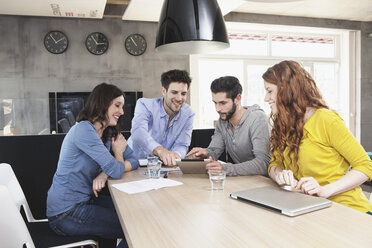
(370, 155)
(64, 124)
(9, 180)
(13, 230)
(71, 118)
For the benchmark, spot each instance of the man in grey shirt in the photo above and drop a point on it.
(242, 132)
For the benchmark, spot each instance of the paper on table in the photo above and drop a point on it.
(145, 185)
(142, 161)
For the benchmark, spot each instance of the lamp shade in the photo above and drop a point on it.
(191, 27)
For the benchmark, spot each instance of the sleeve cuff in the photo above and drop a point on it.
(134, 163)
(365, 171)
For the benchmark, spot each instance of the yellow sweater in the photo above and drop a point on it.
(327, 150)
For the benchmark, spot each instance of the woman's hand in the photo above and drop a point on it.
(118, 144)
(99, 183)
(285, 177)
(310, 186)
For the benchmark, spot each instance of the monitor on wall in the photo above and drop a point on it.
(64, 107)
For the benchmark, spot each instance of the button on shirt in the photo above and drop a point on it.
(150, 128)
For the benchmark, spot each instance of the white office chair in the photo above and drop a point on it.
(9, 179)
(13, 230)
(41, 233)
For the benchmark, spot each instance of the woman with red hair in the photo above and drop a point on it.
(311, 147)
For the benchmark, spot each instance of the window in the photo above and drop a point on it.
(303, 46)
(321, 52)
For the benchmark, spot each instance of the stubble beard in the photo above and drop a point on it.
(230, 114)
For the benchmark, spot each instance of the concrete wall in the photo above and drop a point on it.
(366, 87)
(28, 72)
(366, 56)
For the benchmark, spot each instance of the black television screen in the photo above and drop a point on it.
(64, 107)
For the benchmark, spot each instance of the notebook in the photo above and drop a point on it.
(192, 166)
(282, 201)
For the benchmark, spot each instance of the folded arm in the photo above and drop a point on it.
(88, 141)
(349, 148)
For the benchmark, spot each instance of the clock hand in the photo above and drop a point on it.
(94, 40)
(53, 38)
(133, 41)
(59, 40)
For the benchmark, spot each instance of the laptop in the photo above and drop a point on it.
(192, 166)
(282, 201)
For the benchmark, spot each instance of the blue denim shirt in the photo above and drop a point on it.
(83, 157)
(150, 128)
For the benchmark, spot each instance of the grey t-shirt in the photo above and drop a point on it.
(248, 145)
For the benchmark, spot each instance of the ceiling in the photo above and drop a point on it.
(149, 10)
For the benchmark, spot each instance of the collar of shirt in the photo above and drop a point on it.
(164, 114)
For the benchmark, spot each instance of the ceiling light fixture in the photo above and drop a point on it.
(191, 27)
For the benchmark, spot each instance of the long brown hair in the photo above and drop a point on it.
(97, 106)
(296, 90)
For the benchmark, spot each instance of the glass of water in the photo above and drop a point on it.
(153, 166)
(217, 179)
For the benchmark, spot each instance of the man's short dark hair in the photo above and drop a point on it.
(229, 84)
(179, 76)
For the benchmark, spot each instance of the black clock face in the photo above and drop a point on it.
(97, 43)
(135, 44)
(56, 42)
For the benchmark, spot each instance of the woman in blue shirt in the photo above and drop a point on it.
(74, 206)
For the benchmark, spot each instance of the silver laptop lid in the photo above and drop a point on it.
(280, 200)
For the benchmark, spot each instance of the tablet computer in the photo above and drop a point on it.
(193, 166)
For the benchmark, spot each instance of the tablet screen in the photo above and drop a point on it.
(193, 166)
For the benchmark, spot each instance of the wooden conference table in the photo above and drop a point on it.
(192, 215)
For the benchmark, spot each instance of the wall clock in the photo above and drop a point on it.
(56, 42)
(135, 44)
(97, 43)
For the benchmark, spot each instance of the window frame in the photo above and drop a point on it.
(347, 45)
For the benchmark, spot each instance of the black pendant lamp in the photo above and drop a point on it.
(191, 27)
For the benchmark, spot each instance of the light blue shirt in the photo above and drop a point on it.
(150, 128)
(83, 157)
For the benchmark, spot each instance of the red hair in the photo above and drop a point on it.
(296, 90)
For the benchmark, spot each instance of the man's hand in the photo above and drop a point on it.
(168, 157)
(197, 152)
(214, 165)
(99, 183)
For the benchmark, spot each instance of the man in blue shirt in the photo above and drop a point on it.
(163, 126)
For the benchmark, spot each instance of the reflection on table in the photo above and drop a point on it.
(192, 215)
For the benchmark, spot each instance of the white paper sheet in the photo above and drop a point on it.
(145, 185)
(142, 161)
